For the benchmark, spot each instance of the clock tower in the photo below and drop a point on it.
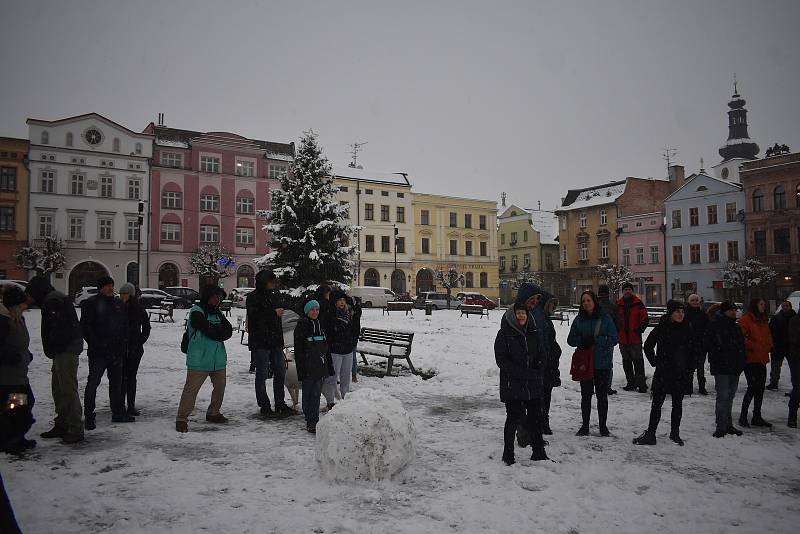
(739, 147)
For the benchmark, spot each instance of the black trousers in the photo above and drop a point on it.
(112, 367)
(546, 396)
(598, 386)
(658, 403)
(756, 375)
(530, 414)
(131, 369)
(794, 369)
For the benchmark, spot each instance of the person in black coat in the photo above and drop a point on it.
(105, 329)
(779, 328)
(552, 375)
(312, 357)
(726, 358)
(343, 327)
(516, 351)
(668, 349)
(698, 321)
(138, 334)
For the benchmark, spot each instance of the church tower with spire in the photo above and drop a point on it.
(739, 147)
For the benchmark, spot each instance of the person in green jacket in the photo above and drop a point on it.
(208, 329)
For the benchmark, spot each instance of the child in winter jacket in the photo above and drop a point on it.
(312, 358)
(343, 327)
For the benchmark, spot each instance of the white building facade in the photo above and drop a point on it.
(704, 231)
(88, 176)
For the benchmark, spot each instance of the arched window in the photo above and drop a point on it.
(469, 280)
(484, 279)
(399, 282)
(372, 278)
(45, 138)
(115, 146)
(425, 280)
(69, 139)
(167, 275)
(758, 200)
(245, 276)
(779, 198)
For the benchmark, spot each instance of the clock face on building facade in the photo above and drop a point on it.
(93, 136)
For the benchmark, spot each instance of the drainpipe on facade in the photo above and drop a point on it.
(358, 231)
(666, 281)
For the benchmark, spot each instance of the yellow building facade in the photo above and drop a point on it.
(455, 232)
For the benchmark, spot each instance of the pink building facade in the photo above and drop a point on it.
(209, 188)
(640, 239)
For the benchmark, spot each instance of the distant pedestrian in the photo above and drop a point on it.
(698, 321)
(517, 354)
(105, 328)
(669, 351)
(594, 330)
(632, 319)
(313, 361)
(62, 343)
(16, 395)
(779, 328)
(726, 359)
(138, 334)
(207, 329)
(552, 355)
(757, 343)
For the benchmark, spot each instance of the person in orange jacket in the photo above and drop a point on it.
(757, 344)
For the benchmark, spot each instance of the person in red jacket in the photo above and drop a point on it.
(632, 320)
(757, 344)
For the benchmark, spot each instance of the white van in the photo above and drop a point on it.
(372, 296)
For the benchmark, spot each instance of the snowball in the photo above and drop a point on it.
(368, 436)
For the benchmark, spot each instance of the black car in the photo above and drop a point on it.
(183, 297)
(152, 298)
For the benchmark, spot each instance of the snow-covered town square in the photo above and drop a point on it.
(253, 475)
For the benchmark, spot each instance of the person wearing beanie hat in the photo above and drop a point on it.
(529, 294)
(343, 329)
(15, 357)
(726, 358)
(138, 334)
(265, 341)
(668, 349)
(312, 357)
(632, 319)
(104, 321)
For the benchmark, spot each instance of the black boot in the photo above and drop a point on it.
(546, 428)
(508, 457)
(641, 379)
(523, 436)
(759, 421)
(586, 412)
(539, 454)
(743, 420)
(647, 438)
(733, 431)
(89, 422)
(630, 375)
(792, 423)
(675, 436)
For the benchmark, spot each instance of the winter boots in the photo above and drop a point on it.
(89, 422)
(719, 433)
(583, 430)
(604, 431)
(743, 421)
(218, 419)
(539, 454)
(792, 423)
(647, 438)
(122, 418)
(523, 436)
(676, 437)
(546, 427)
(759, 421)
(508, 457)
(732, 430)
(181, 426)
(53, 433)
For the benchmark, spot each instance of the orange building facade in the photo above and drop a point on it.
(13, 205)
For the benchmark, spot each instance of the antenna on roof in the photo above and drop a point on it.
(503, 199)
(735, 85)
(702, 166)
(539, 202)
(355, 148)
(161, 119)
(668, 155)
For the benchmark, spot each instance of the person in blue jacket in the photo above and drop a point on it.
(594, 329)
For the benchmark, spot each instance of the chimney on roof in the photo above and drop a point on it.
(161, 119)
(677, 175)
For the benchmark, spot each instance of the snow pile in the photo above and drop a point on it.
(368, 436)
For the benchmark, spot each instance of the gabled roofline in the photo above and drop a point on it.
(573, 194)
(74, 118)
(691, 179)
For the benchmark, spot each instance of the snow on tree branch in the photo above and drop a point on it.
(747, 274)
(616, 276)
(212, 260)
(45, 257)
(527, 277)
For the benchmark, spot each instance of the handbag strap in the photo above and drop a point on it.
(597, 326)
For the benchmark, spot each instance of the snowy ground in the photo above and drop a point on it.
(261, 476)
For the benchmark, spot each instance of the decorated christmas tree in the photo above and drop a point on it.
(309, 236)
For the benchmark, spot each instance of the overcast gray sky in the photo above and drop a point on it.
(469, 98)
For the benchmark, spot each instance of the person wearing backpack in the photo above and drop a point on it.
(312, 357)
(62, 342)
(206, 332)
(669, 349)
(593, 331)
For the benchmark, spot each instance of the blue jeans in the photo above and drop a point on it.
(267, 359)
(726, 386)
(312, 390)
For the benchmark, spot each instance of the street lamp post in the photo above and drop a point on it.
(140, 221)
(395, 254)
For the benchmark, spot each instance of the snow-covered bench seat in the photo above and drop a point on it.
(388, 344)
(163, 312)
(473, 309)
(399, 305)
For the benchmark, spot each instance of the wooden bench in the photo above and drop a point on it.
(560, 316)
(225, 307)
(164, 312)
(473, 309)
(399, 305)
(389, 344)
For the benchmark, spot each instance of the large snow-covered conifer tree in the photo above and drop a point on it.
(309, 237)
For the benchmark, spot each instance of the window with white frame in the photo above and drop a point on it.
(169, 159)
(76, 184)
(76, 223)
(583, 249)
(209, 163)
(8, 178)
(626, 257)
(170, 232)
(654, 254)
(134, 188)
(115, 144)
(245, 167)
(245, 205)
(45, 225)
(502, 263)
(133, 230)
(171, 199)
(603, 217)
(583, 219)
(105, 227)
(107, 186)
(48, 181)
(604, 248)
(245, 236)
(277, 172)
(209, 203)
(8, 219)
(138, 148)
(209, 233)
(639, 255)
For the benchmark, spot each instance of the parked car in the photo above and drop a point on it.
(84, 293)
(476, 298)
(152, 297)
(23, 283)
(183, 297)
(238, 295)
(372, 296)
(439, 300)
